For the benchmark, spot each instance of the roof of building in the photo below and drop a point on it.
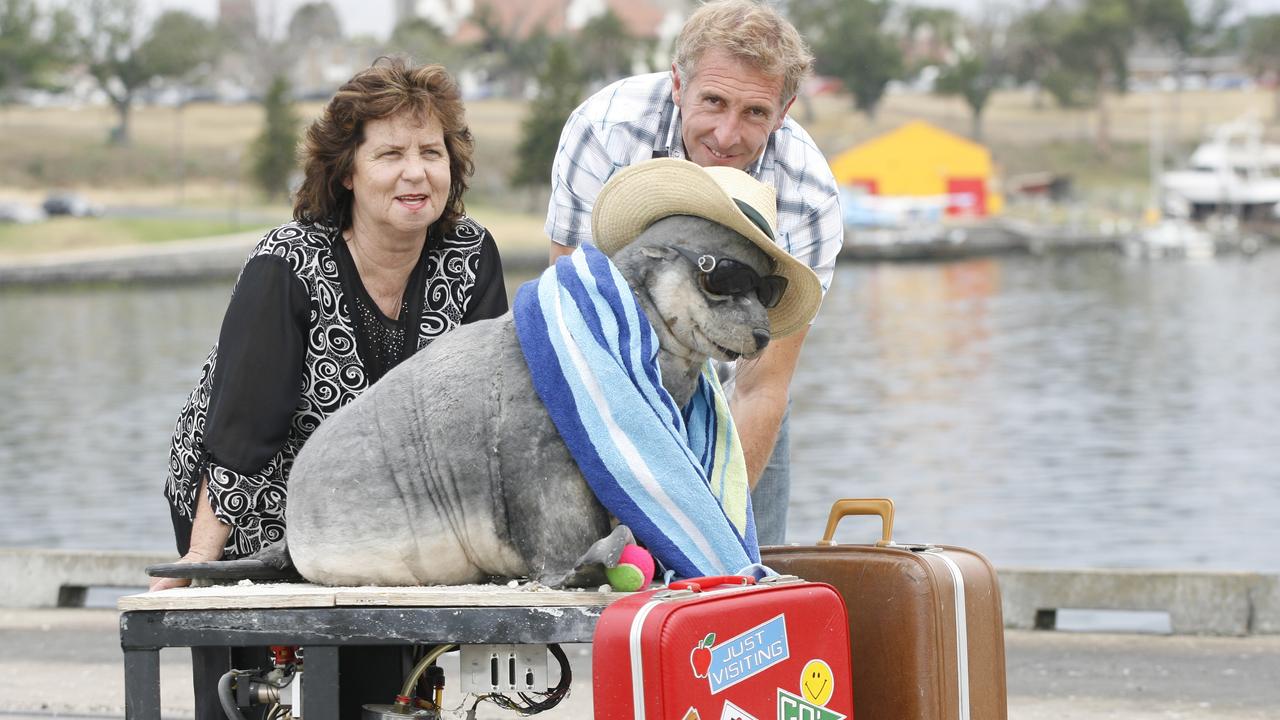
(522, 18)
(915, 141)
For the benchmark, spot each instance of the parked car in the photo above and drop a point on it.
(17, 212)
(70, 203)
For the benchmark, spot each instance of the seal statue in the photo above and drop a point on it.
(450, 469)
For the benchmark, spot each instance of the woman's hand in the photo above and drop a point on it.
(163, 583)
(158, 584)
(208, 535)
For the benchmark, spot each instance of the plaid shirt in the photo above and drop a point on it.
(635, 119)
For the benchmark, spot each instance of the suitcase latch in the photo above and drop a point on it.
(673, 594)
(780, 580)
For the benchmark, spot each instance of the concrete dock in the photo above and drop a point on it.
(66, 663)
(1219, 656)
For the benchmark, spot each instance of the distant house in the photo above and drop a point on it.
(643, 18)
(921, 165)
(654, 22)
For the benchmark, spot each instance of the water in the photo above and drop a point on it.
(1082, 411)
(1077, 411)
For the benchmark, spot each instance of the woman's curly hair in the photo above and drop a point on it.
(387, 88)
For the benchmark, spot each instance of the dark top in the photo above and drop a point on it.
(301, 338)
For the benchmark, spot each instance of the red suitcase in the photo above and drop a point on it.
(724, 648)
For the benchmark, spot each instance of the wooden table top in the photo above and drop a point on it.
(305, 595)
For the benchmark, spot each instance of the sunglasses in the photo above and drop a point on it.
(723, 276)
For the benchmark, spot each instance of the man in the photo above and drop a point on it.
(738, 66)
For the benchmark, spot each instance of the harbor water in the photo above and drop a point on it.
(1074, 411)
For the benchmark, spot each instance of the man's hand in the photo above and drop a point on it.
(558, 251)
(760, 391)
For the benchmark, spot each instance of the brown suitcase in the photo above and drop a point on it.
(914, 657)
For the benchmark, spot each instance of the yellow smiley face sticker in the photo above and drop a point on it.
(816, 682)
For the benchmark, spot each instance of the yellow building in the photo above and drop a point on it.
(921, 161)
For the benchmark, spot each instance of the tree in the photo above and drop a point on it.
(177, 44)
(1167, 23)
(314, 21)
(606, 48)
(1211, 31)
(122, 64)
(942, 28)
(1033, 39)
(850, 42)
(981, 64)
(31, 47)
(256, 47)
(424, 42)
(275, 149)
(1096, 47)
(1262, 49)
(508, 53)
(973, 78)
(560, 91)
(1097, 41)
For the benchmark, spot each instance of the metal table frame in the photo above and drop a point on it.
(322, 631)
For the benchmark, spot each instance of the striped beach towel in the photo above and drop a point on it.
(675, 476)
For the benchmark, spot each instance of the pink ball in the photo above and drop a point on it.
(634, 570)
(638, 556)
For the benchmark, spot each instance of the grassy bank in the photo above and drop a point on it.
(207, 144)
(516, 232)
(197, 156)
(61, 234)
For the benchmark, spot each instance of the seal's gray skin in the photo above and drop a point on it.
(449, 470)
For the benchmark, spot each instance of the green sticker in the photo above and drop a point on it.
(794, 707)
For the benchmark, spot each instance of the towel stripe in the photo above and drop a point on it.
(675, 476)
(622, 453)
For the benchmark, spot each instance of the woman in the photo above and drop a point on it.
(379, 260)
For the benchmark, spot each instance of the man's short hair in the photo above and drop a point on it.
(751, 32)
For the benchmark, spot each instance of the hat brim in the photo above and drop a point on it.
(640, 195)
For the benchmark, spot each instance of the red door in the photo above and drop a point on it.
(967, 197)
(870, 185)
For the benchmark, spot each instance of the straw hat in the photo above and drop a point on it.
(644, 193)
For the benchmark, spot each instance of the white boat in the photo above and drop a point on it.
(1233, 172)
(1171, 237)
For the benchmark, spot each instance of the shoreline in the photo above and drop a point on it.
(210, 258)
(222, 256)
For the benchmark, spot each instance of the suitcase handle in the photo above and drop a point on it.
(861, 506)
(710, 581)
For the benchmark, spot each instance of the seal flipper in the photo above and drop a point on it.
(589, 569)
(270, 563)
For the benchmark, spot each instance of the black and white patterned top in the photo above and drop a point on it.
(294, 348)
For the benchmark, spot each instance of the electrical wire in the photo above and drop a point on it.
(537, 702)
(225, 696)
(403, 699)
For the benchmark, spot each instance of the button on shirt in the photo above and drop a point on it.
(635, 119)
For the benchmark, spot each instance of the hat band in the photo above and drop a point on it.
(755, 217)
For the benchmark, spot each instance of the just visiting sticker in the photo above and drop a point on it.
(740, 657)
